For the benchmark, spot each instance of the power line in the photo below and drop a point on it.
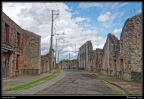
(58, 18)
(47, 8)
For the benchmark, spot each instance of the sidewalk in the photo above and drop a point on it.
(20, 80)
(130, 87)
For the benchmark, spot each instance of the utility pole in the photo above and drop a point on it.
(58, 56)
(56, 46)
(69, 56)
(75, 48)
(51, 44)
(56, 51)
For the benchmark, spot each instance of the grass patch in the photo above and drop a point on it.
(116, 92)
(95, 73)
(101, 74)
(36, 82)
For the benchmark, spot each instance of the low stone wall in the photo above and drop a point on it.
(136, 76)
(31, 71)
(119, 74)
(104, 71)
(97, 70)
(127, 76)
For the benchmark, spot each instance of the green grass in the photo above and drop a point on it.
(116, 92)
(36, 82)
(97, 74)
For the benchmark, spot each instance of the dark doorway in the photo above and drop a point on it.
(5, 65)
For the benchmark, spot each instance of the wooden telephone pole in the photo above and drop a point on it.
(51, 42)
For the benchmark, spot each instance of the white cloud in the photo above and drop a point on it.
(115, 31)
(140, 11)
(104, 17)
(79, 19)
(36, 17)
(89, 5)
(76, 12)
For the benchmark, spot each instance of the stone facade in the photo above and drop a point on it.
(131, 48)
(16, 48)
(11, 51)
(98, 59)
(32, 53)
(69, 65)
(45, 63)
(109, 55)
(84, 55)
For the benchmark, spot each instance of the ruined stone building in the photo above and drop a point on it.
(84, 55)
(45, 62)
(123, 58)
(110, 49)
(16, 49)
(74, 65)
(98, 59)
(12, 35)
(92, 60)
(131, 49)
(45, 59)
(32, 53)
(69, 65)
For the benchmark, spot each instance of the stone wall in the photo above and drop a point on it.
(85, 60)
(92, 60)
(109, 55)
(69, 65)
(28, 52)
(131, 46)
(98, 59)
(45, 59)
(11, 47)
(32, 52)
(121, 58)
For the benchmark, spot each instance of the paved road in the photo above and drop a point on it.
(77, 83)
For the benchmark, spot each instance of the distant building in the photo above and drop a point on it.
(45, 62)
(84, 56)
(98, 59)
(69, 65)
(45, 59)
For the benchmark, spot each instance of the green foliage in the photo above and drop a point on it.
(66, 60)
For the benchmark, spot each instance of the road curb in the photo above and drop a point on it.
(128, 93)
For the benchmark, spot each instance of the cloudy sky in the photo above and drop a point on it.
(76, 23)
